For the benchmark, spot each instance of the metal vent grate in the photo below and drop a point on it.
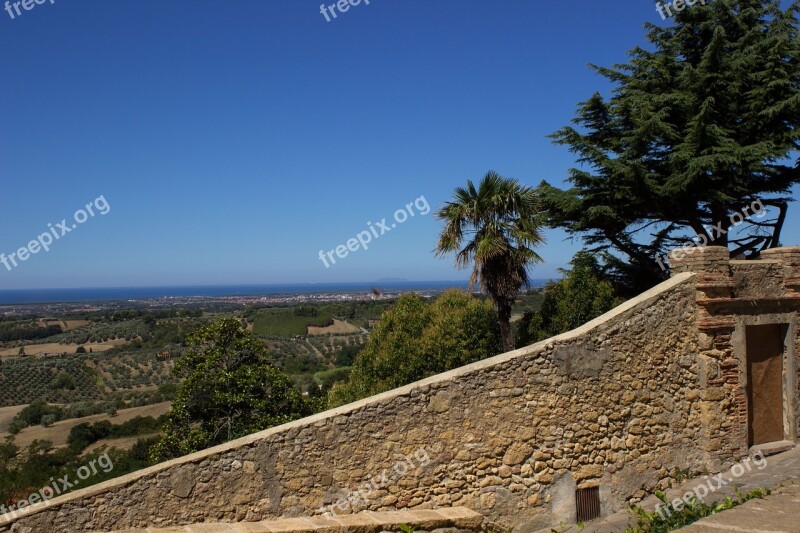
(587, 502)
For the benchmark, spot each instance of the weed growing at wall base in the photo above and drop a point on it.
(712, 483)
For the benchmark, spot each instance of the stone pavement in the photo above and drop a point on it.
(780, 510)
(777, 513)
(453, 518)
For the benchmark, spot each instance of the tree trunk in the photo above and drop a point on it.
(504, 314)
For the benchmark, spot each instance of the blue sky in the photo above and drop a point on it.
(235, 140)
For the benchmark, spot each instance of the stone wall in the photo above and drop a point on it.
(732, 295)
(624, 403)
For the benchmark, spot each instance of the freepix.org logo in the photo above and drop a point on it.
(13, 8)
(55, 232)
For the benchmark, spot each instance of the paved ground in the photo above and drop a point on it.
(776, 513)
(779, 512)
(453, 518)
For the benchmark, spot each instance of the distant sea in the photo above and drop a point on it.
(24, 296)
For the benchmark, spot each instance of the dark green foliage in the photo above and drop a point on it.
(228, 389)
(83, 435)
(415, 340)
(306, 310)
(33, 413)
(63, 381)
(582, 295)
(328, 378)
(140, 451)
(23, 472)
(702, 123)
(26, 331)
(347, 355)
(302, 364)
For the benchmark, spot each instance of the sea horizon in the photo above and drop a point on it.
(105, 294)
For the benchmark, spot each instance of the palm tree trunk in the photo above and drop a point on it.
(504, 314)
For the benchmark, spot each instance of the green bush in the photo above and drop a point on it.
(415, 340)
(63, 381)
(85, 434)
(581, 296)
(228, 389)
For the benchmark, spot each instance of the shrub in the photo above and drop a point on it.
(415, 340)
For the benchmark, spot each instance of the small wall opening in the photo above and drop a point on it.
(587, 503)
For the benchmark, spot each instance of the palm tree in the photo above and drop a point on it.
(501, 222)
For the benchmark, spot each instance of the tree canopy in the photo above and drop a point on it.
(582, 295)
(229, 389)
(414, 340)
(701, 124)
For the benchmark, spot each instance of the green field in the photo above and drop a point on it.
(287, 323)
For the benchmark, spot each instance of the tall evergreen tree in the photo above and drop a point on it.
(701, 124)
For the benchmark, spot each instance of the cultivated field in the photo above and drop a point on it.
(339, 327)
(287, 323)
(7, 414)
(58, 432)
(57, 348)
(124, 443)
(65, 325)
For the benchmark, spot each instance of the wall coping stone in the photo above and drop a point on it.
(366, 522)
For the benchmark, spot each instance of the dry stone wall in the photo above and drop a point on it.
(614, 405)
(626, 403)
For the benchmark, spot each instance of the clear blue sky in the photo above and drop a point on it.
(234, 140)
